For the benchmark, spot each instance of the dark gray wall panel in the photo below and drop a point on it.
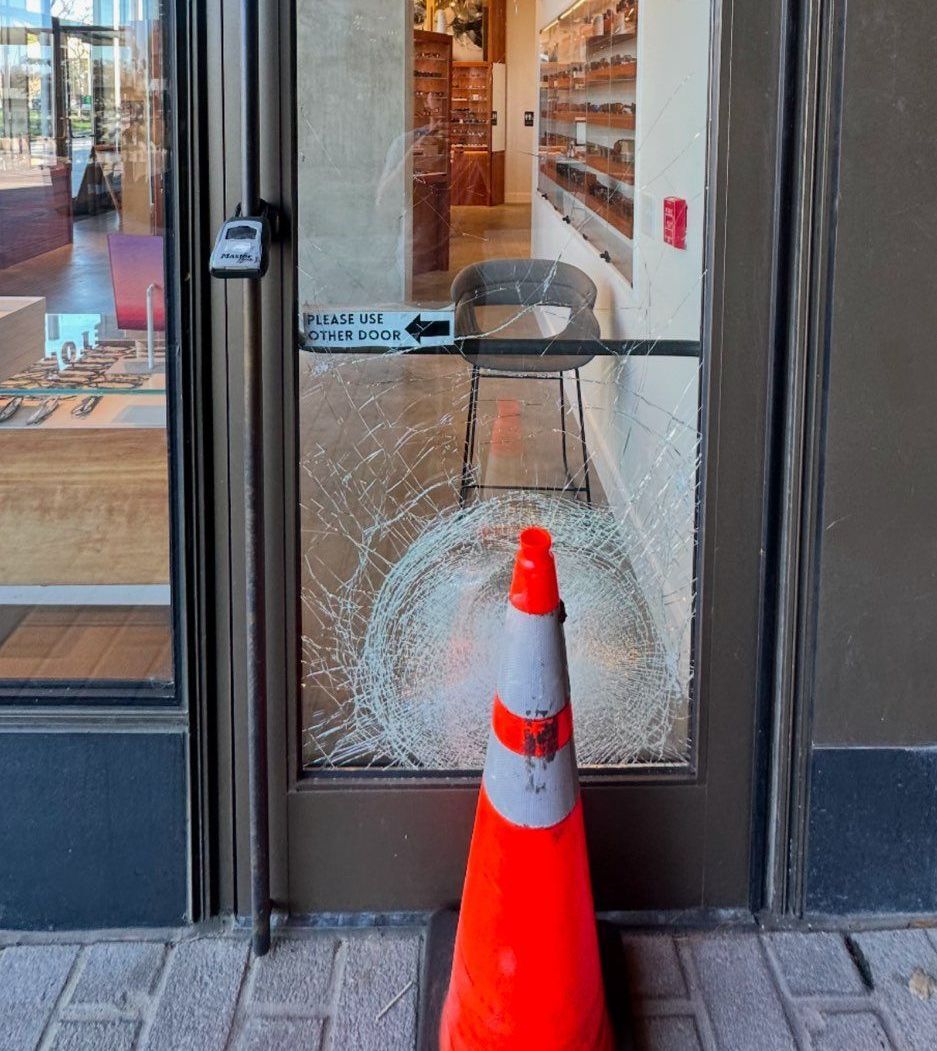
(93, 830)
(876, 658)
(877, 661)
(872, 841)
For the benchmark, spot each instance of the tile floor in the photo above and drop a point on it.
(358, 990)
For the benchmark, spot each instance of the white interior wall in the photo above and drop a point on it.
(523, 94)
(671, 141)
(641, 420)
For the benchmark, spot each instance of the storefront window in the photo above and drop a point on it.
(533, 174)
(84, 502)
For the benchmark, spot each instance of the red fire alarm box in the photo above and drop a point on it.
(675, 222)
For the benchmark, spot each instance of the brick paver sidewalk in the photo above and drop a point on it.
(358, 990)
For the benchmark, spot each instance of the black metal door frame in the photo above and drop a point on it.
(689, 846)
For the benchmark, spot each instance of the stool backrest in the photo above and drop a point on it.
(524, 282)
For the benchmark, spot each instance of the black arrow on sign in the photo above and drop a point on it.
(418, 328)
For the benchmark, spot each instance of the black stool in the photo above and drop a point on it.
(526, 283)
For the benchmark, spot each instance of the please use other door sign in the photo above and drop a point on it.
(328, 328)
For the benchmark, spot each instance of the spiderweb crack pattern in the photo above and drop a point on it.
(404, 591)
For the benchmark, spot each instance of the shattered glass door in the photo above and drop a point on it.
(501, 277)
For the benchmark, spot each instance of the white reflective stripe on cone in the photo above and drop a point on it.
(530, 791)
(532, 680)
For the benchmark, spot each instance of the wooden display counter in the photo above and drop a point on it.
(84, 506)
(432, 76)
(22, 333)
(35, 212)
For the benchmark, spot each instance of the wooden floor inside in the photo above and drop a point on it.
(64, 643)
(74, 279)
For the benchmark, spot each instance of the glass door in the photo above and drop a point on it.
(565, 331)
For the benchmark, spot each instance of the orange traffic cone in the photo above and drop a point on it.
(526, 973)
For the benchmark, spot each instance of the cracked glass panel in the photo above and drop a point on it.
(501, 273)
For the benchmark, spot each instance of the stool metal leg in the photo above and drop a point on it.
(582, 438)
(568, 476)
(468, 452)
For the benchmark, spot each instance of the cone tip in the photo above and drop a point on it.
(534, 587)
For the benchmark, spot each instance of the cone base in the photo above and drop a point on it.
(449, 1041)
(526, 974)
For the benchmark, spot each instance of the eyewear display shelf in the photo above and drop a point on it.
(432, 80)
(472, 178)
(588, 76)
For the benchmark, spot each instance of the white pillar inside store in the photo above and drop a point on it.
(354, 169)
